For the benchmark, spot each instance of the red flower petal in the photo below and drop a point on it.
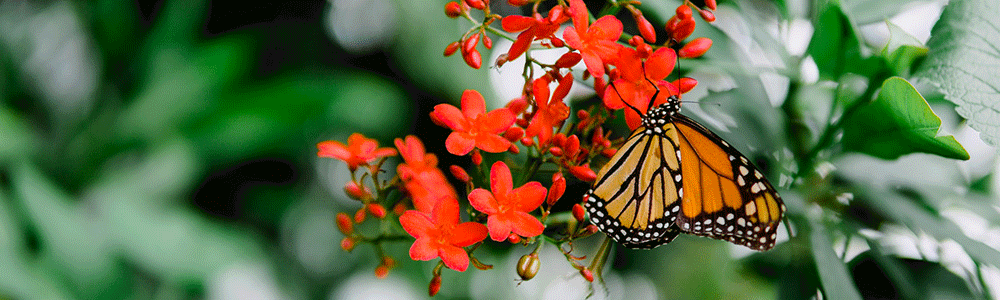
(526, 225)
(594, 64)
(499, 227)
(459, 143)
(660, 64)
(482, 200)
(450, 116)
(380, 152)
(415, 223)
(500, 180)
(473, 104)
(467, 233)
(446, 212)
(333, 149)
(454, 258)
(423, 249)
(521, 45)
(515, 23)
(497, 121)
(563, 88)
(529, 196)
(572, 39)
(580, 15)
(492, 143)
(606, 28)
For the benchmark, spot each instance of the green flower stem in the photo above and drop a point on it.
(600, 257)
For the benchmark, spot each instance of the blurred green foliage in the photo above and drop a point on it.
(167, 150)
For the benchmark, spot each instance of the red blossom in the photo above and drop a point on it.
(633, 85)
(421, 177)
(551, 112)
(595, 42)
(439, 234)
(358, 151)
(473, 126)
(508, 208)
(532, 29)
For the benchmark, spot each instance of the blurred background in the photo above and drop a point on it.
(166, 150)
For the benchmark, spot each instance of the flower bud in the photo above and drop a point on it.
(470, 43)
(451, 48)
(347, 244)
(360, 216)
(645, 28)
(452, 9)
(608, 152)
(578, 212)
(477, 158)
(559, 139)
(572, 147)
(477, 4)
(695, 48)
(683, 30)
(556, 42)
(685, 84)
(591, 229)
(473, 59)
(527, 141)
(399, 209)
(381, 271)
(582, 114)
(513, 134)
(516, 3)
(513, 149)
(528, 265)
(683, 12)
(344, 224)
(556, 151)
(710, 4)
(376, 210)
(568, 60)
(435, 285)
(557, 189)
(513, 238)
(587, 274)
(707, 15)
(583, 173)
(517, 105)
(487, 42)
(459, 173)
(355, 191)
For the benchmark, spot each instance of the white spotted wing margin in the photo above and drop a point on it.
(635, 199)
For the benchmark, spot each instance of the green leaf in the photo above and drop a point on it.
(836, 48)
(897, 123)
(833, 274)
(902, 50)
(962, 63)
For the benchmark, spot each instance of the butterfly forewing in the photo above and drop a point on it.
(635, 198)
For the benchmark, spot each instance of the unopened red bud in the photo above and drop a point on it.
(360, 216)
(477, 158)
(459, 173)
(555, 13)
(376, 210)
(590, 229)
(513, 238)
(672, 24)
(556, 42)
(513, 149)
(522, 122)
(381, 271)
(710, 4)
(556, 151)
(435, 285)
(452, 9)
(347, 244)
(683, 30)
(388, 262)
(599, 85)
(527, 141)
(513, 134)
(695, 48)
(473, 59)
(344, 224)
(583, 173)
(477, 4)
(470, 43)
(683, 12)
(355, 191)
(587, 274)
(451, 48)
(568, 60)
(528, 265)
(399, 209)
(557, 190)
(645, 28)
(582, 114)
(516, 3)
(635, 40)
(707, 15)
(572, 146)
(644, 50)
(608, 152)
(578, 212)
(559, 139)
(487, 42)
(517, 105)
(685, 84)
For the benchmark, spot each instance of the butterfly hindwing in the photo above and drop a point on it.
(635, 197)
(725, 195)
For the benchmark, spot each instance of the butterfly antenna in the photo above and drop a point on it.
(656, 94)
(623, 99)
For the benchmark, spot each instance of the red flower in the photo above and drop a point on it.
(597, 42)
(633, 84)
(473, 126)
(534, 28)
(439, 234)
(550, 112)
(508, 208)
(421, 177)
(358, 151)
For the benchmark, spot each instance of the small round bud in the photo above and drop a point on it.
(587, 274)
(344, 224)
(435, 285)
(578, 212)
(381, 271)
(556, 151)
(707, 15)
(513, 238)
(695, 48)
(451, 48)
(583, 173)
(477, 158)
(347, 244)
(376, 210)
(528, 265)
(356, 191)
(360, 216)
(459, 173)
(683, 12)
(452, 9)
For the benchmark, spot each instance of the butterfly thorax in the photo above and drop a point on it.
(661, 114)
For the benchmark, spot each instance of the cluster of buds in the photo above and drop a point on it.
(470, 40)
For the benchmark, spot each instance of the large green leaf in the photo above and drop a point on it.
(963, 63)
(833, 274)
(835, 46)
(902, 51)
(897, 123)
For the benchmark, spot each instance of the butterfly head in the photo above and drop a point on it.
(662, 113)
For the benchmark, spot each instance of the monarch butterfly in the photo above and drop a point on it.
(673, 175)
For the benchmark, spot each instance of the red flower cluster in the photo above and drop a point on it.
(358, 151)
